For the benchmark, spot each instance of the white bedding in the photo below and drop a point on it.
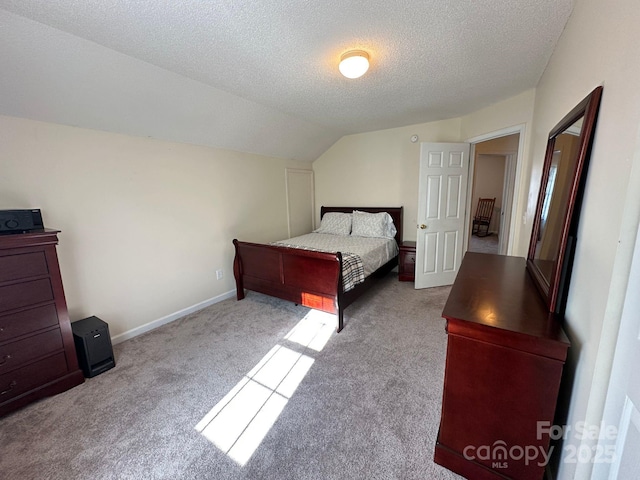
(374, 252)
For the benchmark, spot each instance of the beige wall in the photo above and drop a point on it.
(513, 111)
(598, 46)
(378, 169)
(145, 224)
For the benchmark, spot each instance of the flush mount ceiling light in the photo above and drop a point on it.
(354, 63)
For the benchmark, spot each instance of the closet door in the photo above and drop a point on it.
(300, 201)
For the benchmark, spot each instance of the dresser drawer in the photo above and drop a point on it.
(15, 354)
(31, 376)
(24, 265)
(409, 261)
(25, 294)
(27, 321)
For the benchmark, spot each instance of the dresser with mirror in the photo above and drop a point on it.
(505, 344)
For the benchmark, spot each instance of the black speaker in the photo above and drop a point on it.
(93, 346)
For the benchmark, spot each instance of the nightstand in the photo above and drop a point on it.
(407, 262)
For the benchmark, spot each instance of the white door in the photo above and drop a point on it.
(442, 196)
(616, 456)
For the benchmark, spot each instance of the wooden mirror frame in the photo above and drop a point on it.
(554, 289)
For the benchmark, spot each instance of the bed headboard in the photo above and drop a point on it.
(395, 212)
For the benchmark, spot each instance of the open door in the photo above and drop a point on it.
(442, 196)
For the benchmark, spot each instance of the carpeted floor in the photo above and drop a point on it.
(361, 404)
(488, 244)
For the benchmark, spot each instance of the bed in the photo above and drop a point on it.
(305, 276)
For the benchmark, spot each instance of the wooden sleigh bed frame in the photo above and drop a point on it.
(309, 278)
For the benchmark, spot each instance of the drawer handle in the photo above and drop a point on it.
(11, 386)
(5, 358)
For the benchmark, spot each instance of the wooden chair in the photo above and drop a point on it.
(483, 216)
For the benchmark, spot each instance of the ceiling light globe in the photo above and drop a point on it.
(354, 64)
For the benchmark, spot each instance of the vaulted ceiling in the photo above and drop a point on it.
(261, 76)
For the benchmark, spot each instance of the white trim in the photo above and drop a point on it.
(134, 332)
(468, 227)
(629, 416)
(520, 129)
(498, 133)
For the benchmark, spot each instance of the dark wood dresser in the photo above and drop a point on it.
(37, 353)
(505, 355)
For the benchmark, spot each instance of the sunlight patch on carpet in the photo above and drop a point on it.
(314, 330)
(240, 421)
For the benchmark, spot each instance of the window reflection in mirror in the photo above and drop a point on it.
(556, 198)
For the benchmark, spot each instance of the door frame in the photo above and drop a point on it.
(516, 182)
(511, 161)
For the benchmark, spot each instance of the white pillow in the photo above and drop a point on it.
(378, 225)
(391, 228)
(335, 223)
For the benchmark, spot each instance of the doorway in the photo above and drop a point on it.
(493, 167)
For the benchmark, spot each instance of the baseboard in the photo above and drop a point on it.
(134, 332)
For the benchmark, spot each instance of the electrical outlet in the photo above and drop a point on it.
(219, 274)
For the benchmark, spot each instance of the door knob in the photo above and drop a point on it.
(423, 226)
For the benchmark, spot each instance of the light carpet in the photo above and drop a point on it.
(361, 404)
(488, 244)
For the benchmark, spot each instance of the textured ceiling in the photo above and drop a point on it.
(262, 76)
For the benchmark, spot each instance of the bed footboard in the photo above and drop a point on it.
(309, 278)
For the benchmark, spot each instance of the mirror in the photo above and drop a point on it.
(555, 223)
